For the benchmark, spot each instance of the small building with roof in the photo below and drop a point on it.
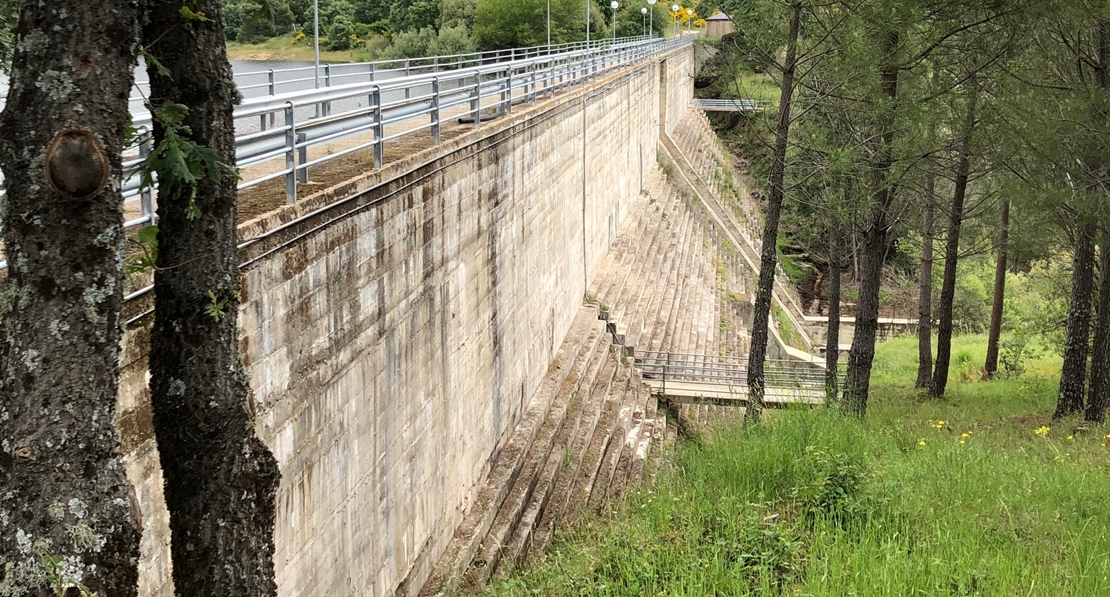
(718, 25)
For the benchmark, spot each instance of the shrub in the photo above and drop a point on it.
(452, 40)
(831, 486)
(410, 44)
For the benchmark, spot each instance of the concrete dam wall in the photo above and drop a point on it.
(395, 327)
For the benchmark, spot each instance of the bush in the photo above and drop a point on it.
(410, 44)
(341, 34)
(832, 485)
(452, 40)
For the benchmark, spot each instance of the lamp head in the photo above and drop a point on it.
(614, 4)
(674, 8)
(690, 11)
(643, 11)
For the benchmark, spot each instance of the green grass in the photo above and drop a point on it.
(283, 49)
(958, 496)
(757, 86)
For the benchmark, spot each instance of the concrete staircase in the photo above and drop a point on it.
(584, 435)
(670, 282)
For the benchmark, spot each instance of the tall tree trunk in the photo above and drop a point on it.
(221, 480)
(832, 336)
(952, 256)
(991, 366)
(857, 380)
(1100, 354)
(1074, 371)
(63, 489)
(925, 290)
(761, 311)
(1099, 392)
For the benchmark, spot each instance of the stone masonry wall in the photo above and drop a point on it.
(678, 72)
(393, 338)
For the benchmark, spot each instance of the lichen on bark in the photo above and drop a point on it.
(62, 491)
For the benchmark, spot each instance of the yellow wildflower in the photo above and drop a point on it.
(962, 441)
(921, 443)
(1071, 437)
(965, 435)
(1042, 430)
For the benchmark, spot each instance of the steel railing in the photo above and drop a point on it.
(282, 127)
(798, 377)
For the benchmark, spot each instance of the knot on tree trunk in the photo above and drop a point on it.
(75, 164)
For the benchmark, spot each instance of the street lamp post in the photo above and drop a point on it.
(614, 5)
(651, 18)
(548, 26)
(588, 3)
(674, 19)
(643, 20)
(689, 19)
(316, 41)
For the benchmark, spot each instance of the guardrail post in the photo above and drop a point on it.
(379, 128)
(508, 92)
(273, 88)
(371, 72)
(435, 110)
(146, 199)
(551, 80)
(327, 83)
(407, 63)
(476, 103)
(532, 80)
(302, 157)
(290, 158)
(665, 367)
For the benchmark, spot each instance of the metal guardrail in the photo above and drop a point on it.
(731, 105)
(282, 127)
(731, 372)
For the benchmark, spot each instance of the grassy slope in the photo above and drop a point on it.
(903, 504)
(283, 49)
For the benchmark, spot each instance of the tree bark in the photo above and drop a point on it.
(63, 489)
(1099, 392)
(857, 380)
(220, 479)
(925, 290)
(761, 311)
(1074, 371)
(991, 365)
(832, 336)
(952, 256)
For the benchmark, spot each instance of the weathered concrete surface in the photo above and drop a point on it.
(393, 338)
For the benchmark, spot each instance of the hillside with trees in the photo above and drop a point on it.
(414, 28)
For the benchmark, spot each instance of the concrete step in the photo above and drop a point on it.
(660, 312)
(504, 470)
(634, 278)
(542, 517)
(635, 236)
(607, 275)
(583, 484)
(511, 510)
(637, 438)
(578, 414)
(647, 436)
(618, 439)
(655, 269)
(675, 312)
